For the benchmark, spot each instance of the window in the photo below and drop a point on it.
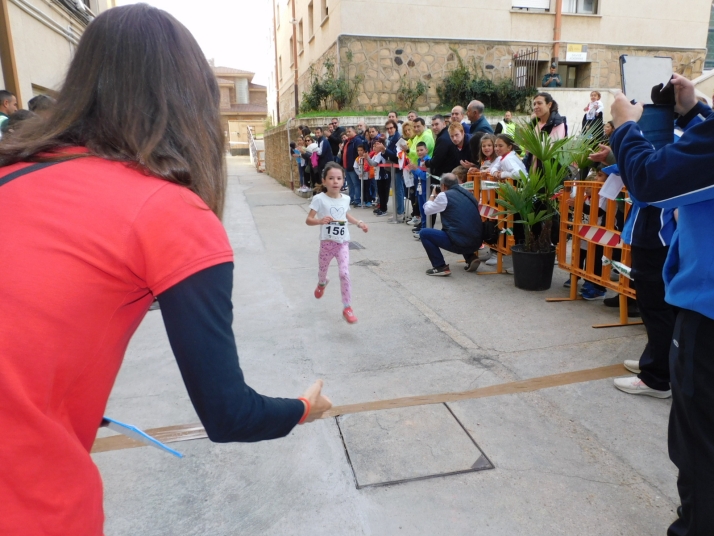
(532, 4)
(300, 38)
(310, 22)
(280, 68)
(584, 7)
(292, 52)
(323, 10)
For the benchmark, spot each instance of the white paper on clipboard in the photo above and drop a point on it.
(641, 73)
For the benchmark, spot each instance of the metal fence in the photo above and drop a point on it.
(525, 68)
(257, 151)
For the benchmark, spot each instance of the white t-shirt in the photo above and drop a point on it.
(594, 108)
(324, 205)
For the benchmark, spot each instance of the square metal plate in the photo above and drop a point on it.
(406, 444)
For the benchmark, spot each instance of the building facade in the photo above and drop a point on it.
(37, 41)
(390, 43)
(243, 105)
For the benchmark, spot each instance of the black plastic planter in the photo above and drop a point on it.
(532, 271)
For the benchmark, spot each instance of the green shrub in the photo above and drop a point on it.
(464, 84)
(329, 90)
(408, 94)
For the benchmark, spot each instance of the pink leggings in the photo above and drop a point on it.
(328, 250)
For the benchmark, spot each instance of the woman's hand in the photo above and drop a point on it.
(326, 220)
(467, 164)
(601, 155)
(319, 403)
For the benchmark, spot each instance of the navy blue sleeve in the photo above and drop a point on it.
(675, 175)
(198, 315)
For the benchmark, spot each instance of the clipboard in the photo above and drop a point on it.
(641, 73)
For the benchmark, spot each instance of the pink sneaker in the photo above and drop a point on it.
(320, 290)
(349, 315)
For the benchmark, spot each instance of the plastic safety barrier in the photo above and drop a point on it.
(485, 188)
(590, 233)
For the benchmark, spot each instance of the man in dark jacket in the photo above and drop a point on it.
(474, 111)
(462, 228)
(391, 155)
(324, 151)
(349, 155)
(336, 136)
(446, 155)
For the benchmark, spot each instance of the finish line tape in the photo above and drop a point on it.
(187, 432)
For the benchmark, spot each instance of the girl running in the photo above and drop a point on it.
(329, 210)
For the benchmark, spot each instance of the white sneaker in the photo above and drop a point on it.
(635, 386)
(414, 221)
(633, 365)
(493, 261)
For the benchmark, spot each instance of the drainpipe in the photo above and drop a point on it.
(556, 31)
(7, 54)
(295, 55)
(277, 74)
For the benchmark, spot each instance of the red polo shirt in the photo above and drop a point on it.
(84, 247)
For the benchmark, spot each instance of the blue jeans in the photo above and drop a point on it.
(353, 183)
(434, 240)
(399, 191)
(421, 199)
(302, 175)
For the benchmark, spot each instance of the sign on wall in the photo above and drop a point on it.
(577, 53)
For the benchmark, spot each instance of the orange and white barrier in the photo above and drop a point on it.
(585, 231)
(486, 190)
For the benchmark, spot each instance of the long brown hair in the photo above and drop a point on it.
(139, 90)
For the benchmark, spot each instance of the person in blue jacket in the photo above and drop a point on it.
(681, 176)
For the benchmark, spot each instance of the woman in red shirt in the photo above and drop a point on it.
(113, 199)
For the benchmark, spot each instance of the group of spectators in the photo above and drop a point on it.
(11, 115)
(417, 155)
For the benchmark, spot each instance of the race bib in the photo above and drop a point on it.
(335, 231)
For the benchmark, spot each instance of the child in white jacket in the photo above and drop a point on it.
(508, 165)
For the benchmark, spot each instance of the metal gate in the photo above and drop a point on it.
(525, 68)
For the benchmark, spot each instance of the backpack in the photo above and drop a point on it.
(490, 232)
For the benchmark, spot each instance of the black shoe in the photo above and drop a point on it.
(440, 271)
(632, 310)
(612, 302)
(472, 263)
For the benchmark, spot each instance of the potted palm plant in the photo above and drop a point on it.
(533, 200)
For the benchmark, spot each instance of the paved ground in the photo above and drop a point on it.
(580, 459)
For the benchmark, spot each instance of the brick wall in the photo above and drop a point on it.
(277, 155)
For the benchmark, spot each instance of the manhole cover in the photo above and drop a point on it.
(367, 262)
(356, 245)
(407, 444)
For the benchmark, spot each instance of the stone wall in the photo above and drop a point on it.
(277, 155)
(387, 63)
(287, 97)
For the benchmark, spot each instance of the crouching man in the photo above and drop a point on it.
(461, 226)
